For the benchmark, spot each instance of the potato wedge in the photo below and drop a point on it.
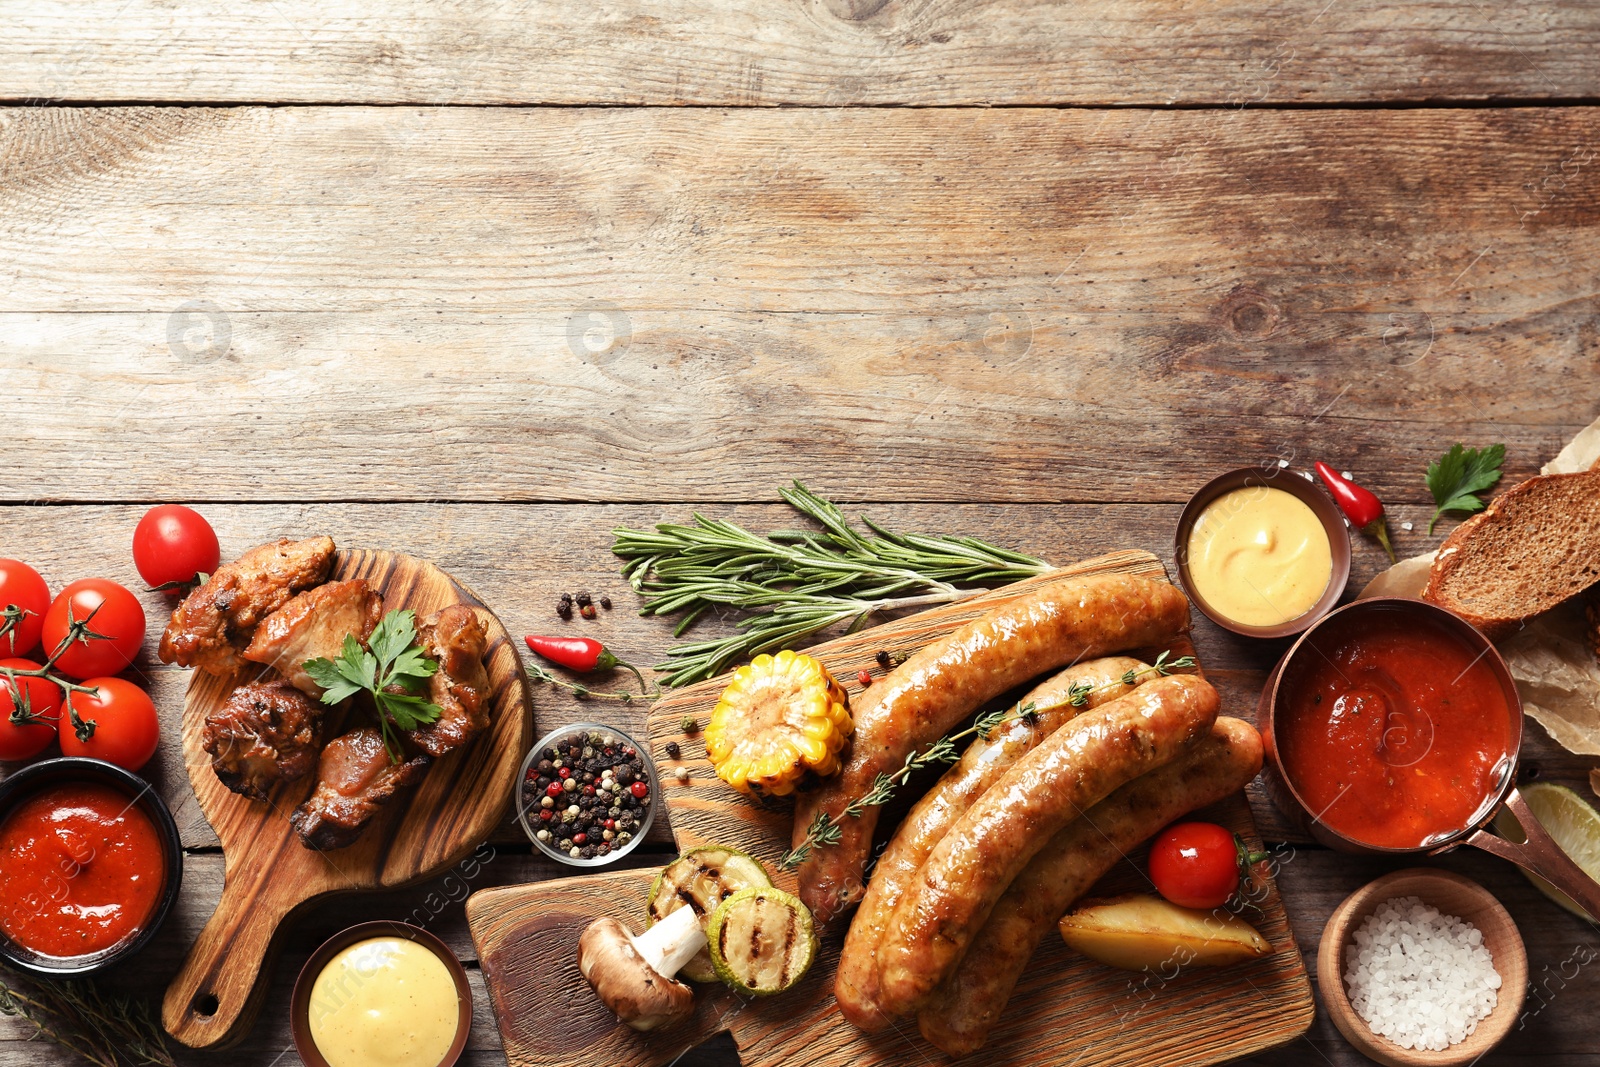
(1139, 931)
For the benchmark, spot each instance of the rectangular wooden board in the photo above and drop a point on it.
(1066, 1010)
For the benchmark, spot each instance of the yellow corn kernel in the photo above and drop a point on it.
(779, 718)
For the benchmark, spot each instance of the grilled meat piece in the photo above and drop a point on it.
(456, 639)
(266, 733)
(354, 779)
(215, 622)
(313, 626)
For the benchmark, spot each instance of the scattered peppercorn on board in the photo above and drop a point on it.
(1066, 1010)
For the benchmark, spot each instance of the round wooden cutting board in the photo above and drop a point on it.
(269, 873)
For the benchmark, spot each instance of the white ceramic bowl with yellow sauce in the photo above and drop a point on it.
(381, 994)
(1263, 552)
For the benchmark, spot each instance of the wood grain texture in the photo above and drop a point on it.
(519, 931)
(814, 52)
(423, 831)
(639, 304)
(520, 558)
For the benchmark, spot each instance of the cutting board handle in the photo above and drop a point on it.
(215, 997)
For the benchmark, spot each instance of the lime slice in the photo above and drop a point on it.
(1569, 819)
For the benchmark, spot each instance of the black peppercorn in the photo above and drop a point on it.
(883, 659)
(605, 602)
(673, 751)
(584, 600)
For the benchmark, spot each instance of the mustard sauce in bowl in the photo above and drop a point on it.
(1260, 556)
(1262, 552)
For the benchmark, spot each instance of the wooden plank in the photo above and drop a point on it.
(1312, 881)
(830, 52)
(519, 558)
(517, 931)
(592, 304)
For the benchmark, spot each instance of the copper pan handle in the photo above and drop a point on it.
(1541, 855)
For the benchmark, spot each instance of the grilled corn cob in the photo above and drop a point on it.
(779, 717)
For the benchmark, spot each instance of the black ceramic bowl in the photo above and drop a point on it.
(29, 780)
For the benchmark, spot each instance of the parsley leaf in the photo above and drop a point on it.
(1456, 478)
(392, 662)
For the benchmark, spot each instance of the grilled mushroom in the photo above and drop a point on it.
(634, 975)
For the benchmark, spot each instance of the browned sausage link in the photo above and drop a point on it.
(962, 1010)
(1075, 768)
(985, 760)
(935, 689)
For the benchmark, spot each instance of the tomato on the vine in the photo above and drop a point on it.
(24, 598)
(119, 720)
(171, 545)
(117, 617)
(1198, 864)
(28, 708)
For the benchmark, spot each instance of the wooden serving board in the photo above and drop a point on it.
(269, 873)
(1066, 1010)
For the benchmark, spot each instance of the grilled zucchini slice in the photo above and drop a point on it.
(762, 941)
(702, 879)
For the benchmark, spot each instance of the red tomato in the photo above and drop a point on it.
(171, 545)
(23, 699)
(124, 725)
(24, 598)
(117, 615)
(1196, 864)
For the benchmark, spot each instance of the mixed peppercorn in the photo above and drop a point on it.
(587, 795)
(583, 602)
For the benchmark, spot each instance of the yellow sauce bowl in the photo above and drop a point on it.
(1307, 492)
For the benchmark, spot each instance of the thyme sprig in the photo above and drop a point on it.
(583, 692)
(795, 583)
(77, 1015)
(827, 829)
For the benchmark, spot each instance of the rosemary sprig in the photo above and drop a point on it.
(74, 1013)
(795, 583)
(825, 829)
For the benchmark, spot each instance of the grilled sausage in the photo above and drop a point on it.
(936, 688)
(961, 1012)
(856, 985)
(1075, 768)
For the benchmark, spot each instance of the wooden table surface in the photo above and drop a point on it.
(481, 281)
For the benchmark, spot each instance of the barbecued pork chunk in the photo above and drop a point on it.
(313, 626)
(456, 639)
(214, 623)
(355, 778)
(266, 733)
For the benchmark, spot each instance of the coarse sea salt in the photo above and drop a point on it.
(1420, 978)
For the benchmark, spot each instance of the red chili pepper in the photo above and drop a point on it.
(1359, 506)
(581, 654)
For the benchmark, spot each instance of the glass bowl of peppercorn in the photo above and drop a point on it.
(588, 794)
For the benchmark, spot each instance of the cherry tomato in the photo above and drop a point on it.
(24, 598)
(1196, 864)
(22, 699)
(124, 724)
(117, 616)
(171, 545)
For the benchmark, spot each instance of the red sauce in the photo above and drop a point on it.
(1395, 735)
(82, 869)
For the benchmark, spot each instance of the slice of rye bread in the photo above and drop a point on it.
(1533, 548)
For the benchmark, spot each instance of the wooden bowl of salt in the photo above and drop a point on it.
(1451, 895)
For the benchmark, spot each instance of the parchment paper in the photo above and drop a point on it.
(1556, 673)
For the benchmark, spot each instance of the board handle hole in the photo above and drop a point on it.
(205, 1005)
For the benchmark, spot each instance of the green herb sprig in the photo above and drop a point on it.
(76, 1015)
(827, 829)
(392, 659)
(795, 583)
(1456, 478)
